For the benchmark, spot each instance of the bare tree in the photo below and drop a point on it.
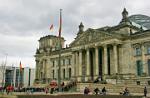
(3, 70)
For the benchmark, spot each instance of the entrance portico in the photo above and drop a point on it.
(93, 62)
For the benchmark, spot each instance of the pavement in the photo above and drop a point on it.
(14, 94)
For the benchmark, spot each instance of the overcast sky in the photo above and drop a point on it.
(23, 22)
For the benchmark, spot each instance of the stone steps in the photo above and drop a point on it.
(112, 88)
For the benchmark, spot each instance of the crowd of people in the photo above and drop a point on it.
(96, 91)
(64, 87)
(103, 91)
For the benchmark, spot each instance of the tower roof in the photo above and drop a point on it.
(81, 25)
(125, 19)
(125, 12)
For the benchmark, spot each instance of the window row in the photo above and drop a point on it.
(63, 62)
(65, 74)
(138, 51)
(140, 66)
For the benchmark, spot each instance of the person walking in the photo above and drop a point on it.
(46, 90)
(126, 92)
(86, 91)
(104, 91)
(145, 91)
(96, 90)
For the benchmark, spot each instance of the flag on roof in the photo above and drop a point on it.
(20, 67)
(51, 26)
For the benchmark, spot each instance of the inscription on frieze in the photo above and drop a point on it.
(91, 37)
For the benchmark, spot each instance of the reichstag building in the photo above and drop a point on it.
(114, 54)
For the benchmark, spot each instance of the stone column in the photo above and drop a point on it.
(37, 69)
(73, 66)
(88, 65)
(77, 64)
(50, 69)
(80, 65)
(145, 71)
(44, 69)
(105, 65)
(115, 59)
(56, 72)
(96, 68)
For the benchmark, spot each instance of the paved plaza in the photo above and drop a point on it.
(68, 95)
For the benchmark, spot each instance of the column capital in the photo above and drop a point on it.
(87, 49)
(104, 45)
(80, 51)
(96, 47)
(114, 44)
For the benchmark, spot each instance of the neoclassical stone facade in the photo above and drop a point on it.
(115, 54)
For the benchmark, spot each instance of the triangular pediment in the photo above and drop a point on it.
(91, 36)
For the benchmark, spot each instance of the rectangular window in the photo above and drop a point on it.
(138, 51)
(53, 74)
(64, 73)
(53, 63)
(148, 66)
(148, 82)
(138, 82)
(139, 67)
(148, 50)
(69, 61)
(69, 73)
(63, 61)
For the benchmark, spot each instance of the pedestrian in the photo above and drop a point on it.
(7, 90)
(96, 90)
(104, 91)
(145, 91)
(86, 91)
(46, 90)
(62, 86)
(52, 90)
(126, 92)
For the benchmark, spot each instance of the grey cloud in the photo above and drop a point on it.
(23, 22)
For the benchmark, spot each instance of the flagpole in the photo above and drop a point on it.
(59, 59)
(12, 75)
(19, 79)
